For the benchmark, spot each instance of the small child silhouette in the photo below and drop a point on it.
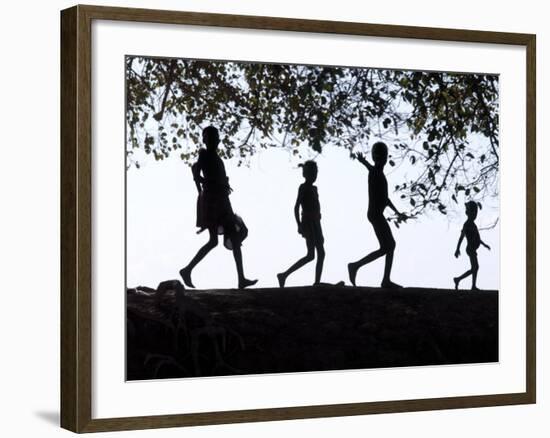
(310, 224)
(378, 201)
(473, 241)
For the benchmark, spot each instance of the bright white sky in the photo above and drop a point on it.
(161, 239)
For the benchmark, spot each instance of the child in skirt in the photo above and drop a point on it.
(214, 211)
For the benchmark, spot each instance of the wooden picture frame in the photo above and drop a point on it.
(76, 217)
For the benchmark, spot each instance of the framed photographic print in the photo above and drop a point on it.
(304, 218)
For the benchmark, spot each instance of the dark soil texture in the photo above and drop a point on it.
(173, 332)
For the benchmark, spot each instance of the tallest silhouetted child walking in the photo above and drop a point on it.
(214, 211)
(378, 201)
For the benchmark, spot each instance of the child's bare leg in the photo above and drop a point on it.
(475, 268)
(201, 253)
(386, 281)
(354, 267)
(387, 247)
(458, 279)
(238, 256)
(303, 261)
(463, 276)
(387, 243)
(319, 265)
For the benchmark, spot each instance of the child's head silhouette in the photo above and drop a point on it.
(471, 209)
(309, 171)
(211, 137)
(379, 153)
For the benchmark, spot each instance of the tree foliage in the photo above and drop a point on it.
(442, 128)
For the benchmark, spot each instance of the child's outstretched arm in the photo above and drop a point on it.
(484, 244)
(361, 158)
(402, 217)
(395, 210)
(457, 252)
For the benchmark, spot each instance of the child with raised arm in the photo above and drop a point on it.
(473, 242)
(378, 201)
(309, 224)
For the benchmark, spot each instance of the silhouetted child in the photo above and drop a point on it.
(473, 241)
(214, 211)
(309, 224)
(378, 201)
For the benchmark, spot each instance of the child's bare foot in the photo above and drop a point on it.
(282, 278)
(456, 281)
(186, 277)
(388, 284)
(475, 288)
(245, 282)
(352, 271)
